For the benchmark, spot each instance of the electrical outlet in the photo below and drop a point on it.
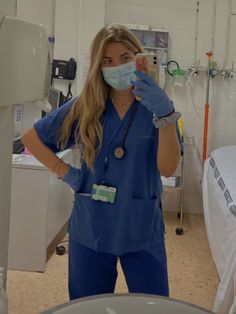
(189, 140)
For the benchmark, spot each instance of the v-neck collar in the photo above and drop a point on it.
(112, 109)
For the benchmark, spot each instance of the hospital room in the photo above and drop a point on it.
(117, 159)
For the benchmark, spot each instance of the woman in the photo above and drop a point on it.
(126, 144)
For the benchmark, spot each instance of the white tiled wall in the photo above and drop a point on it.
(66, 28)
(73, 35)
(66, 36)
(41, 12)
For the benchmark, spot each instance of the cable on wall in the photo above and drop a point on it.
(212, 41)
(228, 31)
(196, 33)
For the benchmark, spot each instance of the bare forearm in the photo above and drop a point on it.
(168, 150)
(40, 151)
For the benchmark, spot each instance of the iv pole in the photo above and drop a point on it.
(211, 73)
(206, 109)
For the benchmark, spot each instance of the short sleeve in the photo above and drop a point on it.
(48, 127)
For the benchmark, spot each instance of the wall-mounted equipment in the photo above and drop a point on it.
(55, 98)
(65, 70)
(25, 77)
(24, 63)
(179, 76)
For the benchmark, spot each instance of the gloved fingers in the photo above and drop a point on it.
(73, 178)
(139, 92)
(141, 84)
(145, 103)
(144, 77)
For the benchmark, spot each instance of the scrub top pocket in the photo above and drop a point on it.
(141, 220)
(116, 228)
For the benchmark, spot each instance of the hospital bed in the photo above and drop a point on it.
(219, 203)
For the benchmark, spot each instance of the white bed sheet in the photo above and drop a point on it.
(219, 203)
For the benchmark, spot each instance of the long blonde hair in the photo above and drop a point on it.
(89, 106)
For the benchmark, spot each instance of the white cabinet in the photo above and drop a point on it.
(40, 208)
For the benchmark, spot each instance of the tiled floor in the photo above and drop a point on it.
(192, 273)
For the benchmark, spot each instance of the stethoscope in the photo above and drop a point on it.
(119, 151)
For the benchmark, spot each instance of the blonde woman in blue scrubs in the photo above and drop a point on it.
(126, 145)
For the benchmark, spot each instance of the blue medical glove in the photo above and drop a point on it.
(152, 96)
(73, 178)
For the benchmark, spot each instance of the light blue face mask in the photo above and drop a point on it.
(119, 76)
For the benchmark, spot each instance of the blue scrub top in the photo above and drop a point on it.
(134, 222)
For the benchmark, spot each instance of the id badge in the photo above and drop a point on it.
(103, 193)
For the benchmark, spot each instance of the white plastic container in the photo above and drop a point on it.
(3, 295)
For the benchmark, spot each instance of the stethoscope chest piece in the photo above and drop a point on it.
(119, 152)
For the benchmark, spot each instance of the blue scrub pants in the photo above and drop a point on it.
(92, 272)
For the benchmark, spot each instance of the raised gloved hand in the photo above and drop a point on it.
(152, 96)
(73, 178)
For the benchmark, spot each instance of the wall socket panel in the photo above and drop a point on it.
(189, 140)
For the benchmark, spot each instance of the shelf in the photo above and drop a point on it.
(171, 189)
(155, 48)
(150, 30)
(152, 39)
